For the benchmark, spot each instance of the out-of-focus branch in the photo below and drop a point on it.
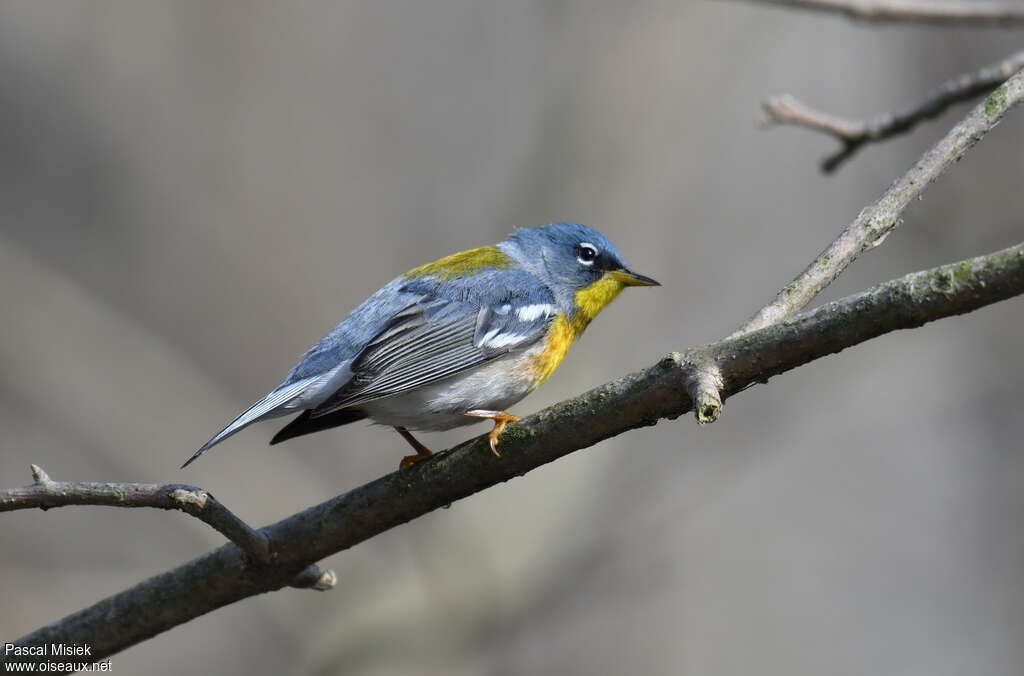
(875, 222)
(972, 13)
(854, 134)
(45, 493)
(225, 575)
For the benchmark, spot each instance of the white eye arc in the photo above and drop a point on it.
(586, 253)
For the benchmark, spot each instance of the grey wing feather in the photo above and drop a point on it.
(433, 340)
(324, 369)
(270, 406)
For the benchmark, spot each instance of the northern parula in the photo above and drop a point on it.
(452, 341)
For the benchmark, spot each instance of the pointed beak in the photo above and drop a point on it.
(630, 278)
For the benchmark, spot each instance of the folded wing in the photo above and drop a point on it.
(408, 334)
(435, 339)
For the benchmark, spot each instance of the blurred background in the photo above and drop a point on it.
(194, 192)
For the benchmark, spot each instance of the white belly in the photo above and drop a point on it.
(442, 405)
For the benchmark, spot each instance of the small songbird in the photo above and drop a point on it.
(453, 341)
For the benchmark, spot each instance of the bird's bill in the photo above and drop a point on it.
(630, 278)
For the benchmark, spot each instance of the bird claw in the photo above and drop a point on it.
(501, 419)
(410, 460)
(422, 452)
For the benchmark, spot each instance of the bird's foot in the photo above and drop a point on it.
(422, 452)
(500, 419)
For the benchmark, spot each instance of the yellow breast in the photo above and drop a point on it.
(563, 332)
(559, 339)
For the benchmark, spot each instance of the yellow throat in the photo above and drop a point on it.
(564, 331)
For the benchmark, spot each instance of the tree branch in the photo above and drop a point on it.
(45, 493)
(854, 134)
(225, 576)
(976, 12)
(875, 222)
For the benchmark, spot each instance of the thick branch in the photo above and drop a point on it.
(974, 12)
(854, 134)
(224, 576)
(875, 222)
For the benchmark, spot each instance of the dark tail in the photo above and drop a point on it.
(305, 424)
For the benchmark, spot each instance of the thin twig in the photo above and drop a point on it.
(704, 385)
(224, 576)
(854, 134)
(314, 577)
(45, 493)
(875, 222)
(973, 13)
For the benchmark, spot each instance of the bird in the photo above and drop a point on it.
(451, 342)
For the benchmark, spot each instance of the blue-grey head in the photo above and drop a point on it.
(580, 265)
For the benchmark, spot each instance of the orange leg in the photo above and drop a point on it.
(500, 419)
(422, 452)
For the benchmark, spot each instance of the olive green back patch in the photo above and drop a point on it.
(462, 264)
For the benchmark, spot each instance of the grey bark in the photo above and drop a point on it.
(854, 134)
(45, 493)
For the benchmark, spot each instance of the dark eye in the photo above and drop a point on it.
(586, 253)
